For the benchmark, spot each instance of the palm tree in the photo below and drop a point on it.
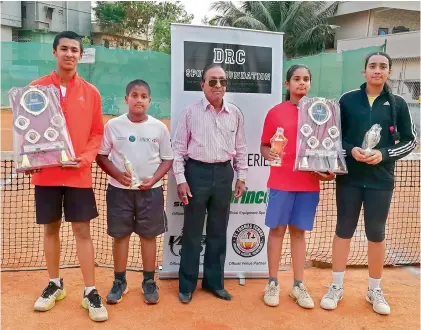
(305, 23)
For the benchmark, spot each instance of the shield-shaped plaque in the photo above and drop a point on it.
(40, 131)
(319, 146)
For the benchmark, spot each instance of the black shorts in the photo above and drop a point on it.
(135, 211)
(376, 202)
(78, 204)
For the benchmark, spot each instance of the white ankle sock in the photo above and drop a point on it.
(56, 281)
(338, 278)
(374, 283)
(88, 289)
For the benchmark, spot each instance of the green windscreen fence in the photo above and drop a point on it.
(333, 73)
(112, 71)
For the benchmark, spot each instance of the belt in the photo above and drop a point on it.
(191, 160)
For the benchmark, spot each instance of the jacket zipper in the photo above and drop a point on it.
(370, 116)
(63, 102)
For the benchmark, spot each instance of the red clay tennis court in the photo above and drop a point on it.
(22, 250)
(245, 311)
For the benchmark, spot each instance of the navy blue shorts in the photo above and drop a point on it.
(291, 208)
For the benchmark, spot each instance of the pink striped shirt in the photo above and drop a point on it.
(207, 136)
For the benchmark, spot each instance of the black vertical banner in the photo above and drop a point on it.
(248, 68)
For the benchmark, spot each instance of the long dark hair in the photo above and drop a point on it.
(389, 94)
(291, 72)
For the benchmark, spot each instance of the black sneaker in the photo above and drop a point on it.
(49, 295)
(117, 291)
(93, 303)
(150, 291)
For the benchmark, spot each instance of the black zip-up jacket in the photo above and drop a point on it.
(357, 117)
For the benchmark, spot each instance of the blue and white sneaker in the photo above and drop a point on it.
(117, 291)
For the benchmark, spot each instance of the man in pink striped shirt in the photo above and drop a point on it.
(210, 134)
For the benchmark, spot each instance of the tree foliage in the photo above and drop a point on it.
(305, 23)
(167, 13)
(150, 19)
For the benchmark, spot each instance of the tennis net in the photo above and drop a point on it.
(22, 239)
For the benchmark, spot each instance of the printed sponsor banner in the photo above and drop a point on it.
(249, 68)
(253, 62)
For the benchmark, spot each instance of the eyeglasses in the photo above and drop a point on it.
(214, 82)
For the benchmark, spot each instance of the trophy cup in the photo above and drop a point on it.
(278, 143)
(319, 145)
(40, 134)
(371, 138)
(129, 168)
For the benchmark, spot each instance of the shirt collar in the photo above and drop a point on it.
(364, 86)
(56, 79)
(207, 105)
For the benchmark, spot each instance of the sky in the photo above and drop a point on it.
(199, 8)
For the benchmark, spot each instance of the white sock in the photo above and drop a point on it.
(374, 283)
(338, 278)
(88, 289)
(56, 281)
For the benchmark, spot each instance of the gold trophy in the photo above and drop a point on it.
(278, 143)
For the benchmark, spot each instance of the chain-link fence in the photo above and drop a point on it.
(405, 81)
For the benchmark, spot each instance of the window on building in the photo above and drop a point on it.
(23, 11)
(383, 31)
(400, 29)
(49, 14)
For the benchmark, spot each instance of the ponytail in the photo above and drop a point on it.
(393, 129)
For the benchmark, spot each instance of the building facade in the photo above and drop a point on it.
(395, 24)
(37, 21)
(11, 18)
(109, 40)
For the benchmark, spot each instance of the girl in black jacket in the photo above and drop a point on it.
(370, 178)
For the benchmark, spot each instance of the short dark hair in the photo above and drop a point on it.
(137, 82)
(211, 66)
(67, 35)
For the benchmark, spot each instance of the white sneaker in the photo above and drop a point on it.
(331, 298)
(49, 296)
(301, 296)
(271, 297)
(376, 298)
(93, 303)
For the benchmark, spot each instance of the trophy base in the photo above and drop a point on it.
(322, 164)
(367, 152)
(304, 163)
(276, 162)
(42, 159)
